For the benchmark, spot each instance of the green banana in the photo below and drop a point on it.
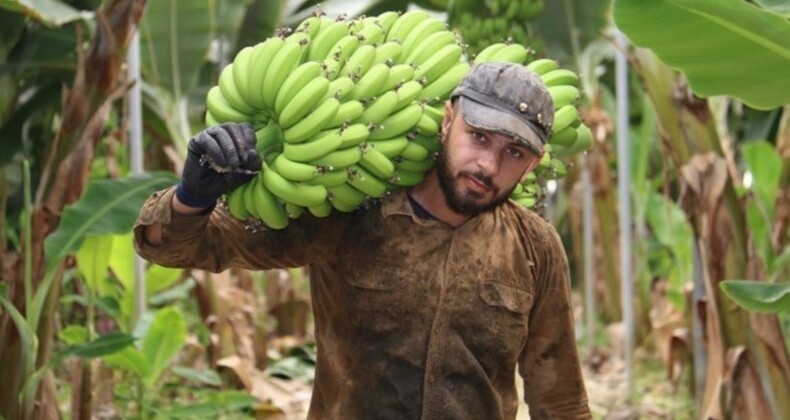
(359, 62)
(390, 147)
(408, 93)
(397, 123)
(563, 117)
(347, 194)
(231, 92)
(372, 34)
(293, 211)
(413, 151)
(413, 166)
(427, 126)
(431, 144)
(339, 88)
(294, 171)
(420, 32)
(513, 53)
(380, 109)
(262, 57)
(386, 20)
(404, 178)
(322, 210)
(303, 102)
(399, 74)
(428, 46)
(542, 66)
(326, 38)
(488, 53)
(439, 63)
(242, 74)
(314, 122)
(343, 48)
(376, 162)
(211, 120)
(388, 52)
(369, 84)
(353, 135)
(282, 65)
(347, 112)
(221, 110)
(310, 26)
(322, 145)
(366, 182)
(341, 158)
(295, 82)
(269, 139)
(560, 77)
(293, 192)
(440, 89)
(405, 24)
(267, 207)
(236, 203)
(564, 138)
(563, 95)
(330, 178)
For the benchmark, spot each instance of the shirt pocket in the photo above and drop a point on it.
(506, 297)
(382, 278)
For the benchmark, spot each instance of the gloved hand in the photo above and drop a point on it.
(219, 159)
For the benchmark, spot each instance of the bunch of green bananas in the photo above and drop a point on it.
(482, 23)
(344, 111)
(568, 135)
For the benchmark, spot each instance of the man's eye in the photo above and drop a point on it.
(515, 153)
(478, 136)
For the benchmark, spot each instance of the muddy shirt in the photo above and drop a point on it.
(414, 319)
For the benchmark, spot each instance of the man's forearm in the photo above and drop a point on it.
(153, 233)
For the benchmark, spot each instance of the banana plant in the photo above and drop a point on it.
(730, 38)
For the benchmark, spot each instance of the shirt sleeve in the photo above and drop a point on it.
(216, 241)
(549, 363)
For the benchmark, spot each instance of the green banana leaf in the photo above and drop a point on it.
(758, 296)
(48, 12)
(93, 259)
(723, 47)
(175, 37)
(164, 338)
(589, 18)
(107, 206)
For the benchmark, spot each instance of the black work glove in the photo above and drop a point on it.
(219, 159)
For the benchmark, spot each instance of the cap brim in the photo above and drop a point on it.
(487, 118)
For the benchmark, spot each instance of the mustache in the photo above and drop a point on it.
(480, 177)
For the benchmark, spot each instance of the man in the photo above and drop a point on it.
(427, 304)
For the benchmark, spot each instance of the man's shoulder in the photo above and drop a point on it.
(526, 217)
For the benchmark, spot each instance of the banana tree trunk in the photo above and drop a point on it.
(98, 83)
(742, 348)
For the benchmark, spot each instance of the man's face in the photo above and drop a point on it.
(478, 170)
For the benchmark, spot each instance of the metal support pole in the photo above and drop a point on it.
(589, 280)
(624, 195)
(136, 157)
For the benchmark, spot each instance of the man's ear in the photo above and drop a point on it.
(447, 120)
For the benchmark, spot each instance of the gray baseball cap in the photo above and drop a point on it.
(509, 99)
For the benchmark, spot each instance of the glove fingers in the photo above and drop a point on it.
(228, 146)
(206, 139)
(244, 137)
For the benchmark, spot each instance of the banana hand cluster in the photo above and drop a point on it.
(482, 23)
(345, 111)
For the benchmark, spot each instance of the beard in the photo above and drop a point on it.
(469, 203)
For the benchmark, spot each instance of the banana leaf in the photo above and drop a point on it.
(163, 340)
(723, 47)
(48, 12)
(759, 296)
(175, 37)
(261, 18)
(107, 206)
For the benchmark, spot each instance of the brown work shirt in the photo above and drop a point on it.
(414, 319)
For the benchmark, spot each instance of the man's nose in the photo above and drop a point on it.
(488, 161)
